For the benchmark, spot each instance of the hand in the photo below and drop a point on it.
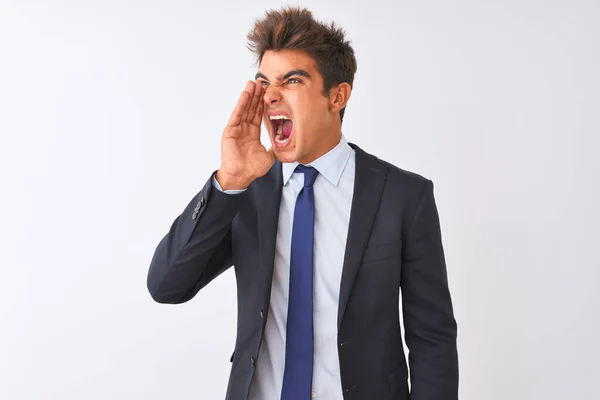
(243, 157)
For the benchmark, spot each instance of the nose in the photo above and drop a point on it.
(272, 95)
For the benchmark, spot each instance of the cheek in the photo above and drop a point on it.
(303, 108)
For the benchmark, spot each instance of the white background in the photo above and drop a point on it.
(111, 114)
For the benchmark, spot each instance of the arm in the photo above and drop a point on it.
(429, 322)
(197, 248)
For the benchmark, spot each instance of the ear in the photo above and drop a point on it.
(339, 96)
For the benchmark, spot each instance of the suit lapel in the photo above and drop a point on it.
(269, 199)
(368, 185)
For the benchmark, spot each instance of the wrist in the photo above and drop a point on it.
(228, 182)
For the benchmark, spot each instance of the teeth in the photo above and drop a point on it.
(279, 138)
(278, 117)
(279, 129)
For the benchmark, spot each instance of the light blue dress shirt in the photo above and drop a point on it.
(333, 190)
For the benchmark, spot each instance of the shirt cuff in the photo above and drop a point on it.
(230, 191)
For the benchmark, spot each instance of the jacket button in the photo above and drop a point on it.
(199, 205)
(253, 362)
(261, 313)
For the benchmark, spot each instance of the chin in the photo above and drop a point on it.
(287, 152)
(285, 156)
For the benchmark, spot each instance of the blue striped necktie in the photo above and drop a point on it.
(297, 377)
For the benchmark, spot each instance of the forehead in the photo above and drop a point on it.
(277, 63)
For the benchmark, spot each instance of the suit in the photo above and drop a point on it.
(393, 253)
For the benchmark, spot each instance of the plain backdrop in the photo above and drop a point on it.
(111, 114)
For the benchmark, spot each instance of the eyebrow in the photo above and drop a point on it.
(289, 74)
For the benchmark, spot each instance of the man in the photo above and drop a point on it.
(325, 239)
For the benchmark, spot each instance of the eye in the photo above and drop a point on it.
(264, 83)
(293, 80)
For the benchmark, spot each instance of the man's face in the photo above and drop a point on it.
(301, 124)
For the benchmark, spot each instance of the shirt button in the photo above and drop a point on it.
(314, 394)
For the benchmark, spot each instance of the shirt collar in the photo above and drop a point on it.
(331, 164)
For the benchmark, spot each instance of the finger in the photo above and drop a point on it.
(258, 114)
(238, 111)
(256, 98)
(241, 106)
(250, 88)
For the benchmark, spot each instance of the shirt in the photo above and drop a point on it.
(333, 190)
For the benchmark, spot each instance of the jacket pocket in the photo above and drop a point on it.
(382, 251)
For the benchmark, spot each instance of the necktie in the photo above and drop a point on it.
(297, 377)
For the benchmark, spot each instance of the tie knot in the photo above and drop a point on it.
(310, 174)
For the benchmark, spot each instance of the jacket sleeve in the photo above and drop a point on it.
(430, 326)
(197, 247)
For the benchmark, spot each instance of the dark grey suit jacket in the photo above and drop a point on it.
(394, 253)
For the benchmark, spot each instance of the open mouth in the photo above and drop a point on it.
(281, 128)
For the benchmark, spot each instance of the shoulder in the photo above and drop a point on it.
(406, 181)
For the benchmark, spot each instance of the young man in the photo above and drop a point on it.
(325, 239)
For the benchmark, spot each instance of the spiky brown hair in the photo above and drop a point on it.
(295, 28)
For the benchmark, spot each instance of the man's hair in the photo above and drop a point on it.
(295, 29)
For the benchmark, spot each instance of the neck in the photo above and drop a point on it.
(329, 142)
